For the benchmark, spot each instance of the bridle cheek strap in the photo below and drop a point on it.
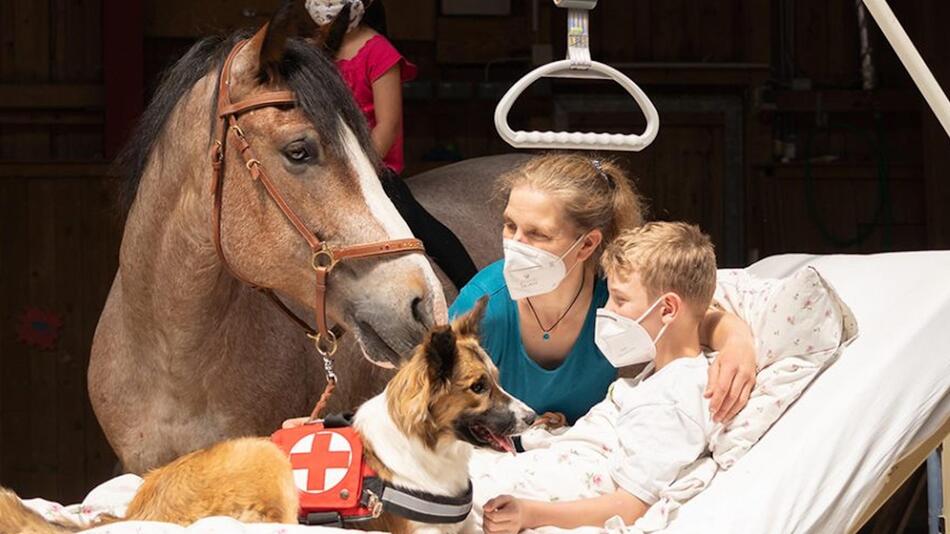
(323, 257)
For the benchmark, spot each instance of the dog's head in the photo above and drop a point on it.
(449, 390)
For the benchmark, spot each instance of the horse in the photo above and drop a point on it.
(188, 351)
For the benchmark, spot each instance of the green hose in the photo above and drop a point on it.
(882, 211)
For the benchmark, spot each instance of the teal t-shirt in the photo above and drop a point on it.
(572, 388)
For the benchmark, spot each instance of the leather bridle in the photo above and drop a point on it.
(323, 256)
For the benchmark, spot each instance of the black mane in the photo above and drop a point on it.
(321, 95)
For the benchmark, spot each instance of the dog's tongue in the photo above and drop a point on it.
(502, 442)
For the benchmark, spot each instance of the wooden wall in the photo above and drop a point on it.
(60, 245)
(58, 242)
(51, 96)
(60, 235)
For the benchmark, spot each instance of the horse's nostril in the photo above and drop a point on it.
(417, 311)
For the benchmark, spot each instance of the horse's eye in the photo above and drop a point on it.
(297, 152)
(479, 387)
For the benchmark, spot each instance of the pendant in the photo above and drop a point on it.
(546, 336)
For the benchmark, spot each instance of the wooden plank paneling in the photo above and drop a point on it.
(753, 32)
(934, 42)
(845, 201)
(187, 18)
(51, 96)
(14, 364)
(58, 252)
(50, 60)
(811, 39)
(456, 45)
(76, 53)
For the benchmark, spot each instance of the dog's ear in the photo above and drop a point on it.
(469, 324)
(441, 352)
(409, 396)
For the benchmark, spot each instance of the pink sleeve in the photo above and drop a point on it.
(382, 56)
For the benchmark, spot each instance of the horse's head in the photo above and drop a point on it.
(318, 156)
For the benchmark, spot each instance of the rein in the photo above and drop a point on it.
(323, 257)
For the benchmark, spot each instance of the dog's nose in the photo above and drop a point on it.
(529, 419)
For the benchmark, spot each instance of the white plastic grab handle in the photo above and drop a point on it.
(577, 140)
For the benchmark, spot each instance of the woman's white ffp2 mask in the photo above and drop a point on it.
(624, 341)
(530, 271)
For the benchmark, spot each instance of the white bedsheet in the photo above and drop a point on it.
(113, 496)
(817, 468)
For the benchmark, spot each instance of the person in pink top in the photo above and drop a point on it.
(375, 71)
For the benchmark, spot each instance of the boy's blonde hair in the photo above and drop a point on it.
(668, 256)
(595, 191)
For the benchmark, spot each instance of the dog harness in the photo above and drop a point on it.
(338, 487)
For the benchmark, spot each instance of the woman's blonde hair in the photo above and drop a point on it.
(595, 191)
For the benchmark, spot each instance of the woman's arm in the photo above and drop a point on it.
(507, 515)
(732, 374)
(387, 103)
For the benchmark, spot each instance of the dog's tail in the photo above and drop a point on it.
(16, 518)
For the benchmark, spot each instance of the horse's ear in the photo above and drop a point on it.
(330, 37)
(290, 20)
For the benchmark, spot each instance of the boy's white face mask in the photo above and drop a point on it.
(530, 271)
(624, 341)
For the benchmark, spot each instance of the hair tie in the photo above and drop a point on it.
(600, 170)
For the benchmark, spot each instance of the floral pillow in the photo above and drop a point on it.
(800, 327)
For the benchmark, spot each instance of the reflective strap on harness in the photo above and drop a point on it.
(418, 505)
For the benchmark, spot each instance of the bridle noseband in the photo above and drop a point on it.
(323, 256)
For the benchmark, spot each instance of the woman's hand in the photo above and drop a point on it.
(731, 379)
(505, 515)
(732, 374)
(295, 422)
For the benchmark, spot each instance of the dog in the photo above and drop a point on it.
(418, 434)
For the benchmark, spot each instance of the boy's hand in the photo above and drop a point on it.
(505, 515)
(731, 379)
(295, 422)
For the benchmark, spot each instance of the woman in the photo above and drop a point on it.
(539, 324)
(375, 71)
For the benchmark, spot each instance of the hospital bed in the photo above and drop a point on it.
(865, 424)
(870, 420)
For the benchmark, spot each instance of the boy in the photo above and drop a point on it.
(618, 457)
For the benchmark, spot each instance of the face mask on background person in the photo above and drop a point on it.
(324, 12)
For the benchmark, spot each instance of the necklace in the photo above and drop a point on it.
(546, 332)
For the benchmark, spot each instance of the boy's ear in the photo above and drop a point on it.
(441, 352)
(469, 324)
(671, 307)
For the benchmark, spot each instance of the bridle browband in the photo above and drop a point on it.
(323, 256)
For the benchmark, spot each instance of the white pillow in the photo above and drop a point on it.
(800, 327)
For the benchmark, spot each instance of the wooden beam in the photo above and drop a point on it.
(844, 101)
(51, 96)
(123, 60)
(934, 44)
(55, 170)
(50, 118)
